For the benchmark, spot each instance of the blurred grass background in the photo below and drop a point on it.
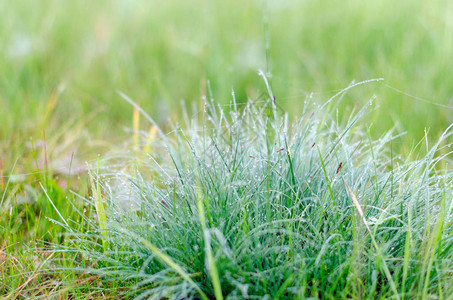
(63, 61)
(162, 52)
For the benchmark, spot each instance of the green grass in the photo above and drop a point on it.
(248, 205)
(63, 63)
(160, 53)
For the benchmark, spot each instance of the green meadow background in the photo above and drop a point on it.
(62, 63)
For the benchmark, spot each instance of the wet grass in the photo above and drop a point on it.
(63, 62)
(248, 205)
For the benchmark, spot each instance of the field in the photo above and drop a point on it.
(66, 128)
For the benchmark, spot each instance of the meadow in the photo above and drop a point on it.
(64, 68)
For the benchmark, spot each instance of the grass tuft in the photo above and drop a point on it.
(246, 205)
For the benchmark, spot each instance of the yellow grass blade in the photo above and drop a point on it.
(100, 210)
(136, 126)
(151, 136)
(378, 249)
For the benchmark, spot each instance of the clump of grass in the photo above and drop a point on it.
(243, 204)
